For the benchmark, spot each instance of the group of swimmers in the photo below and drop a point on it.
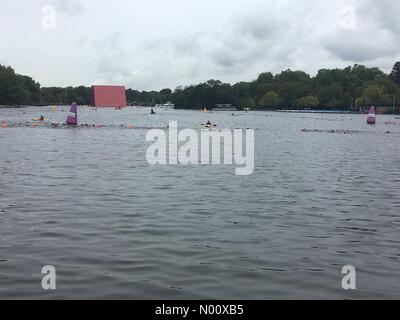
(392, 123)
(331, 131)
(86, 125)
(35, 124)
(40, 121)
(19, 124)
(336, 131)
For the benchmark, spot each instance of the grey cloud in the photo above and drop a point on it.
(376, 34)
(262, 24)
(260, 36)
(233, 42)
(187, 44)
(259, 29)
(384, 13)
(355, 47)
(247, 38)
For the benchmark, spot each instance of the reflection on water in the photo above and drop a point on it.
(87, 202)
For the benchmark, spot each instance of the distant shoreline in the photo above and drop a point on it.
(316, 111)
(220, 111)
(319, 111)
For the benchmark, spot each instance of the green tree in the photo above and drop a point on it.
(265, 77)
(373, 94)
(165, 95)
(395, 74)
(270, 100)
(308, 102)
(330, 96)
(242, 90)
(292, 76)
(16, 89)
(330, 88)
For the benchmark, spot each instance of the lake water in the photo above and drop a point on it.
(87, 202)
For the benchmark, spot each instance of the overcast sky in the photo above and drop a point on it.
(155, 44)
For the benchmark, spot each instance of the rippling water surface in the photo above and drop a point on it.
(87, 202)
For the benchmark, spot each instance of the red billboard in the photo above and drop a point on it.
(108, 96)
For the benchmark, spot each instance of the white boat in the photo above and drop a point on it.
(166, 106)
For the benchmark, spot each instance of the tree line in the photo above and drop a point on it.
(347, 89)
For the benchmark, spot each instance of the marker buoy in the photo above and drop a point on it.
(371, 116)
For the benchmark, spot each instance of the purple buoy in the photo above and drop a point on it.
(72, 118)
(371, 116)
